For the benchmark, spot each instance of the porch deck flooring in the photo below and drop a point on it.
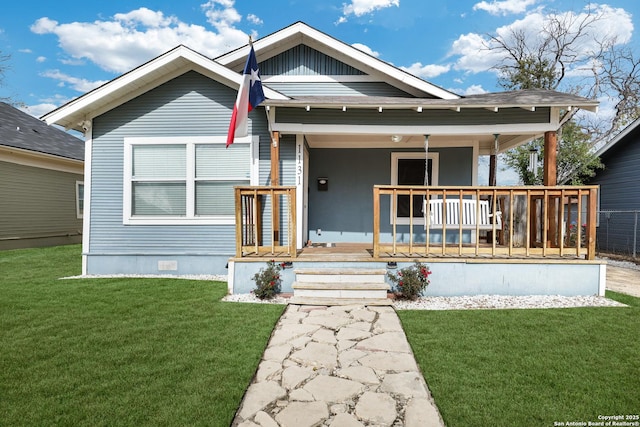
(361, 252)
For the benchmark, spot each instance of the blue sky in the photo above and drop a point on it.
(64, 48)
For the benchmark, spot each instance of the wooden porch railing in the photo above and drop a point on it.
(533, 221)
(254, 235)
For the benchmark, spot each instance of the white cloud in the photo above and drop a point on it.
(130, 39)
(474, 56)
(254, 19)
(39, 110)
(427, 71)
(473, 90)
(366, 49)
(41, 58)
(504, 7)
(81, 85)
(364, 7)
(25, 51)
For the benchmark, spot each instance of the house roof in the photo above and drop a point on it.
(529, 99)
(23, 131)
(619, 137)
(226, 70)
(301, 33)
(140, 80)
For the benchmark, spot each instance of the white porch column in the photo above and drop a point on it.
(300, 190)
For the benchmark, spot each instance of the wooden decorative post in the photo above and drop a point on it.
(493, 162)
(275, 181)
(550, 163)
(550, 179)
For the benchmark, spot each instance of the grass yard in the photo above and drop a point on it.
(120, 352)
(529, 367)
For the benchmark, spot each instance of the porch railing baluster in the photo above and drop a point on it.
(523, 233)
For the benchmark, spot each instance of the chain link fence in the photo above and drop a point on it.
(617, 232)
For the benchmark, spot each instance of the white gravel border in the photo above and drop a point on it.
(475, 302)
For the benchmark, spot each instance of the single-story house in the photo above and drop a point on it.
(41, 182)
(619, 204)
(342, 160)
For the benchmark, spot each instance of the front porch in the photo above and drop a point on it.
(536, 248)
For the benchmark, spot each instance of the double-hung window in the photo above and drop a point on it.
(185, 180)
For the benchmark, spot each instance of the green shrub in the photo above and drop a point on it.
(268, 281)
(410, 282)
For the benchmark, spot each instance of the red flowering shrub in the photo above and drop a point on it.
(268, 281)
(410, 282)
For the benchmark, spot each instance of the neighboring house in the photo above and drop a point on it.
(619, 192)
(338, 136)
(41, 182)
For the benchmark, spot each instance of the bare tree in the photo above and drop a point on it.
(543, 59)
(616, 75)
(4, 59)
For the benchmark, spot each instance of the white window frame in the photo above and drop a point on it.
(395, 156)
(79, 212)
(190, 142)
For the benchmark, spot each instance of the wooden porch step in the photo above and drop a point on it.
(339, 301)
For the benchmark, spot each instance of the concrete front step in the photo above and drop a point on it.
(361, 285)
(339, 301)
(340, 275)
(342, 285)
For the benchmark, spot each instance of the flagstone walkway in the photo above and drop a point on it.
(339, 366)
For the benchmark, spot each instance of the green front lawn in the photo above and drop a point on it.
(529, 367)
(120, 351)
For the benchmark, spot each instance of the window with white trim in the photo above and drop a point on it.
(79, 199)
(174, 180)
(409, 169)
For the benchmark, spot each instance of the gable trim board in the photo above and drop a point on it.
(300, 33)
(140, 80)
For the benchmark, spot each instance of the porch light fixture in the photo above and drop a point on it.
(396, 138)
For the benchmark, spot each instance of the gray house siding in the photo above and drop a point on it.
(303, 60)
(619, 191)
(344, 213)
(338, 89)
(189, 105)
(38, 207)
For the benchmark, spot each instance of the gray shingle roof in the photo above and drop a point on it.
(522, 98)
(21, 130)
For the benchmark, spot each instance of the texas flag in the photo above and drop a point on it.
(250, 96)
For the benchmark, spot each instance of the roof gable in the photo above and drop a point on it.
(302, 60)
(140, 80)
(301, 34)
(21, 130)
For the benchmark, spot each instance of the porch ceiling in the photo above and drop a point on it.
(484, 142)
